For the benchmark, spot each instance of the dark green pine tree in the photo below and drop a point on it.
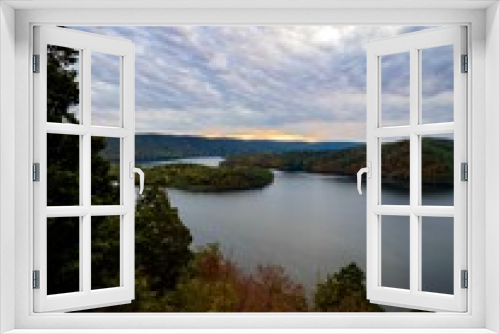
(162, 240)
(344, 291)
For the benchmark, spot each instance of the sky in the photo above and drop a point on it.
(265, 82)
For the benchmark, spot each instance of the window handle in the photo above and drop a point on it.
(141, 175)
(368, 172)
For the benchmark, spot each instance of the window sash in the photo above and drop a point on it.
(85, 298)
(412, 43)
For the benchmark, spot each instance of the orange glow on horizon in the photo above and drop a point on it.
(261, 135)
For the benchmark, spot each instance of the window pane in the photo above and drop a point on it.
(437, 170)
(395, 244)
(437, 254)
(105, 171)
(395, 171)
(105, 252)
(63, 170)
(437, 84)
(106, 106)
(395, 91)
(63, 84)
(63, 255)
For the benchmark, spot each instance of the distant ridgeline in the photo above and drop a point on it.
(156, 147)
(437, 162)
(337, 158)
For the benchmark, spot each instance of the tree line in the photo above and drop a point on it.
(437, 162)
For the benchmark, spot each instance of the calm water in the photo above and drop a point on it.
(313, 225)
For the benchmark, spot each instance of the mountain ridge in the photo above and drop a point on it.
(155, 147)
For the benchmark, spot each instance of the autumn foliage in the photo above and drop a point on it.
(218, 285)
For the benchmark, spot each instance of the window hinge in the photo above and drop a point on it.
(464, 279)
(36, 172)
(465, 64)
(464, 171)
(36, 279)
(36, 63)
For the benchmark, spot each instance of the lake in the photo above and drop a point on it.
(313, 225)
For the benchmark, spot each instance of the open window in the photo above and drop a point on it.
(70, 221)
(482, 240)
(414, 225)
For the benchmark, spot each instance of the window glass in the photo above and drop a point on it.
(106, 157)
(395, 171)
(437, 170)
(437, 254)
(63, 170)
(395, 89)
(106, 90)
(63, 85)
(105, 252)
(63, 255)
(437, 84)
(395, 252)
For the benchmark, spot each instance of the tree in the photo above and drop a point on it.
(215, 283)
(62, 84)
(208, 284)
(162, 240)
(162, 253)
(344, 291)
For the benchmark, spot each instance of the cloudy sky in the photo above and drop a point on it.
(293, 82)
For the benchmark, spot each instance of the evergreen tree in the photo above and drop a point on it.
(162, 240)
(162, 253)
(344, 291)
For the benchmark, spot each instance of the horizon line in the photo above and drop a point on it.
(248, 139)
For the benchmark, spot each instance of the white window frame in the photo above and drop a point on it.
(483, 315)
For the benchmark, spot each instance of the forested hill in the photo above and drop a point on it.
(150, 147)
(437, 162)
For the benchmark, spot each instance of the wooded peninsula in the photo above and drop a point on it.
(199, 178)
